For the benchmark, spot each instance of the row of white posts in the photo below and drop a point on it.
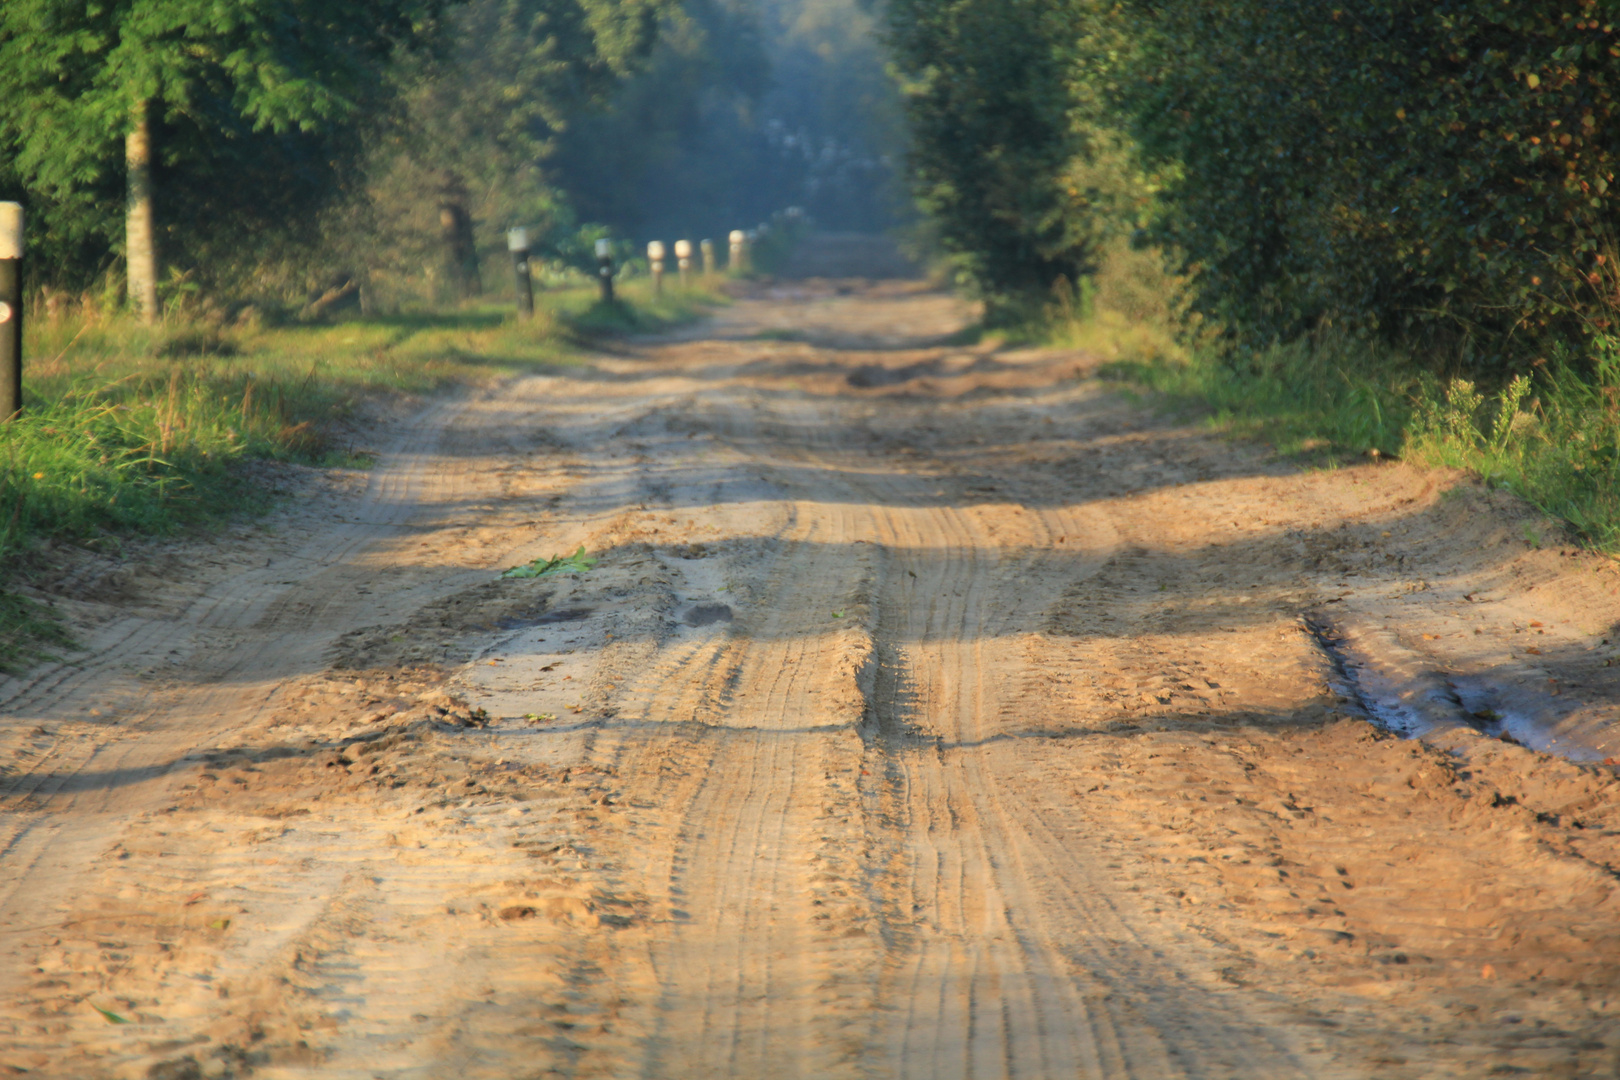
(517, 242)
(656, 253)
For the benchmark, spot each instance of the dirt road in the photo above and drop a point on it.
(932, 711)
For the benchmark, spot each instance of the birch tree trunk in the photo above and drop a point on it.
(140, 231)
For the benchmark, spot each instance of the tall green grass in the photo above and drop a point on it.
(129, 430)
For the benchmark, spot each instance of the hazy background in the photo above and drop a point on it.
(745, 107)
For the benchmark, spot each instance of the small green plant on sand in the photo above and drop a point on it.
(577, 563)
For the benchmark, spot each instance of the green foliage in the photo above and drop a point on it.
(987, 94)
(1015, 152)
(831, 118)
(1436, 174)
(255, 104)
(664, 153)
(1552, 438)
(462, 158)
(577, 563)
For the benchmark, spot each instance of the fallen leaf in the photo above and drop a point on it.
(110, 1017)
(196, 896)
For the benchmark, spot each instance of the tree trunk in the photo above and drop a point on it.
(140, 228)
(456, 226)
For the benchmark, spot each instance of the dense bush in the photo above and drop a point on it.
(992, 106)
(1433, 172)
(1428, 173)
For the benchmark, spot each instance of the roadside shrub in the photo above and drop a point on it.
(1434, 174)
(1000, 157)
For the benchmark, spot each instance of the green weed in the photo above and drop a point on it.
(577, 563)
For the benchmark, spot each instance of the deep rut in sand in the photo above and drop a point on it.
(932, 711)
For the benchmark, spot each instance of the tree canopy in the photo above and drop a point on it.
(1435, 174)
(252, 104)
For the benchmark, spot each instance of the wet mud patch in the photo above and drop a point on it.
(706, 615)
(548, 618)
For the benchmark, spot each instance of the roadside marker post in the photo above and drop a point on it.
(738, 254)
(11, 309)
(655, 256)
(604, 269)
(517, 242)
(707, 247)
(683, 260)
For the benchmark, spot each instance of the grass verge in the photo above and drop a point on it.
(129, 430)
(1551, 437)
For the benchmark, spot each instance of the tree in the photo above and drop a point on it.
(1439, 175)
(670, 150)
(995, 136)
(478, 120)
(173, 80)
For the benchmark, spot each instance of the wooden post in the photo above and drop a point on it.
(655, 255)
(683, 259)
(140, 218)
(604, 268)
(517, 242)
(11, 309)
(707, 247)
(738, 239)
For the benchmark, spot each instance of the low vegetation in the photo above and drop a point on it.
(132, 431)
(1551, 436)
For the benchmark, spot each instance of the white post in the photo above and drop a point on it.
(738, 239)
(655, 255)
(11, 309)
(683, 259)
(517, 242)
(604, 268)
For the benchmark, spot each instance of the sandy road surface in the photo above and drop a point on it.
(931, 712)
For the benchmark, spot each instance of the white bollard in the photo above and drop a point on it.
(683, 260)
(517, 242)
(11, 309)
(604, 268)
(655, 256)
